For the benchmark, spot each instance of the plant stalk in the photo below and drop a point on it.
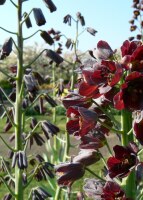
(130, 181)
(18, 104)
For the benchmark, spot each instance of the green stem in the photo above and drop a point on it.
(130, 181)
(108, 147)
(13, 3)
(111, 129)
(9, 147)
(58, 193)
(6, 74)
(7, 186)
(6, 96)
(91, 172)
(32, 35)
(14, 33)
(10, 175)
(35, 59)
(18, 104)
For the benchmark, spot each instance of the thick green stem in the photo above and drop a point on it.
(18, 104)
(130, 181)
(58, 193)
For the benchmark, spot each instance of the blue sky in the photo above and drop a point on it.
(109, 17)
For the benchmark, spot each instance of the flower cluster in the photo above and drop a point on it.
(110, 83)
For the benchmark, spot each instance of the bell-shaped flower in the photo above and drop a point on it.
(124, 161)
(81, 120)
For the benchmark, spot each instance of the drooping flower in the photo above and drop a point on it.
(68, 173)
(103, 50)
(54, 56)
(87, 157)
(40, 193)
(91, 31)
(93, 140)
(130, 95)
(82, 120)
(124, 161)
(6, 48)
(50, 5)
(48, 39)
(132, 55)
(39, 16)
(67, 19)
(80, 18)
(21, 159)
(100, 78)
(49, 129)
(74, 99)
(112, 190)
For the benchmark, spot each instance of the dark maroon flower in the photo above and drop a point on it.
(6, 48)
(82, 120)
(39, 17)
(100, 78)
(128, 47)
(103, 50)
(68, 43)
(132, 55)
(50, 5)
(74, 99)
(67, 19)
(87, 157)
(54, 56)
(138, 127)
(93, 140)
(137, 60)
(90, 91)
(80, 18)
(112, 190)
(130, 95)
(69, 172)
(124, 161)
(48, 39)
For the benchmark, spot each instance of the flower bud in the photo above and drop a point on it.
(67, 19)
(48, 39)
(50, 5)
(87, 157)
(91, 31)
(68, 43)
(80, 18)
(6, 48)
(39, 17)
(54, 56)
